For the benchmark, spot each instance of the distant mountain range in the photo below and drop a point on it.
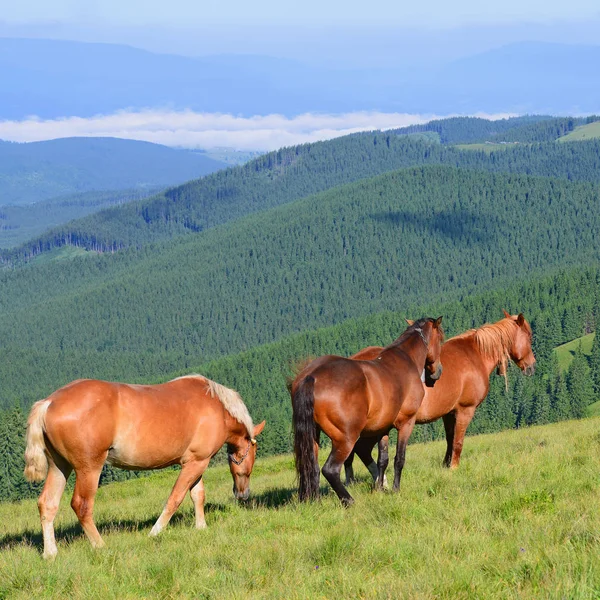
(41, 170)
(50, 79)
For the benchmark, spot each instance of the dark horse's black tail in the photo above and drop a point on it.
(303, 421)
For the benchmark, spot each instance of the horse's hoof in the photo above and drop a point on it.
(347, 502)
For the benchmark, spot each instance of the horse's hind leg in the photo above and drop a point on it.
(333, 467)
(449, 424)
(198, 495)
(49, 501)
(82, 502)
(190, 473)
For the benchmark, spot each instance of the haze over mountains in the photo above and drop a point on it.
(52, 79)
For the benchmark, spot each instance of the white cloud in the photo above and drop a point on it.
(209, 130)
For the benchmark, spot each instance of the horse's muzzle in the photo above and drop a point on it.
(529, 370)
(430, 379)
(243, 496)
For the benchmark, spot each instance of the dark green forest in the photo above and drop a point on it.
(18, 224)
(292, 173)
(434, 233)
(470, 130)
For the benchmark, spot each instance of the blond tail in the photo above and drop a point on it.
(36, 463)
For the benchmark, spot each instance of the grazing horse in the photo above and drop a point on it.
(347, 399)
(468, 359)
(88, 422)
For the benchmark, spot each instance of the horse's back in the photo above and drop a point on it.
(82, 411)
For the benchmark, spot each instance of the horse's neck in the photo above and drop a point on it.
(236, 432)
(413, 347)
(489, 363)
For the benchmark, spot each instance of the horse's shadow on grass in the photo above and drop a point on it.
(74, 532)
(280, 497)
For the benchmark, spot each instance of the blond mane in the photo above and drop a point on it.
(230, 399)
(494, 340)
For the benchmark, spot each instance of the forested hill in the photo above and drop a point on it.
(292, 173)
(379, 244)
(469, 130)
(40, 170)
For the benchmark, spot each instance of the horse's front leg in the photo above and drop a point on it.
(349, 469)
(405, 427)
(190, 473)
(197, 494)
(382, 462)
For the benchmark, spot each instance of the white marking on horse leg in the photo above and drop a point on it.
(423, 376)
(158, 526)
(198, 495)
(48, 505)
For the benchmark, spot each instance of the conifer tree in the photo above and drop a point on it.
(580, 384)
(595, 362)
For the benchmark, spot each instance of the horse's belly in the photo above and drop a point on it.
(133, 458)
(139, 444)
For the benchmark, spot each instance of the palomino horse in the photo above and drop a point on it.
(347, 399)
(468, 360)
(88, 422)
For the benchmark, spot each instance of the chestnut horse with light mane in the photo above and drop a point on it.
(347, 399)
(89, 422)
(468, 359)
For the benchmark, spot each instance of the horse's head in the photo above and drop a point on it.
(521, 352)
(241, 455)
(433, 336)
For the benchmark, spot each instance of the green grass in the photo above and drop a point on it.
(583, 132)
(519, 519)
(593, 410)
(566, 352)
(486, 146)
(62, 253)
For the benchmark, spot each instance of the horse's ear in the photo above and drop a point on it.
(438, 321)
(410, 323)
(506, 314)
(520, 320)
(258, 428)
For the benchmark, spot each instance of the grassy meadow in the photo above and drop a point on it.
(583, 132)
(520, 518)
(566, 352)
(485, 147)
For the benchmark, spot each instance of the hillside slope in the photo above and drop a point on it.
(292, 173)
(377, 244)
(21, 223)
(520, 518)
(40, 170)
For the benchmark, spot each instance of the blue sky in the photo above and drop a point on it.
(436, 13)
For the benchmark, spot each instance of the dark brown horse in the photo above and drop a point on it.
(468, 360)
(347, 399)
(88, 422)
